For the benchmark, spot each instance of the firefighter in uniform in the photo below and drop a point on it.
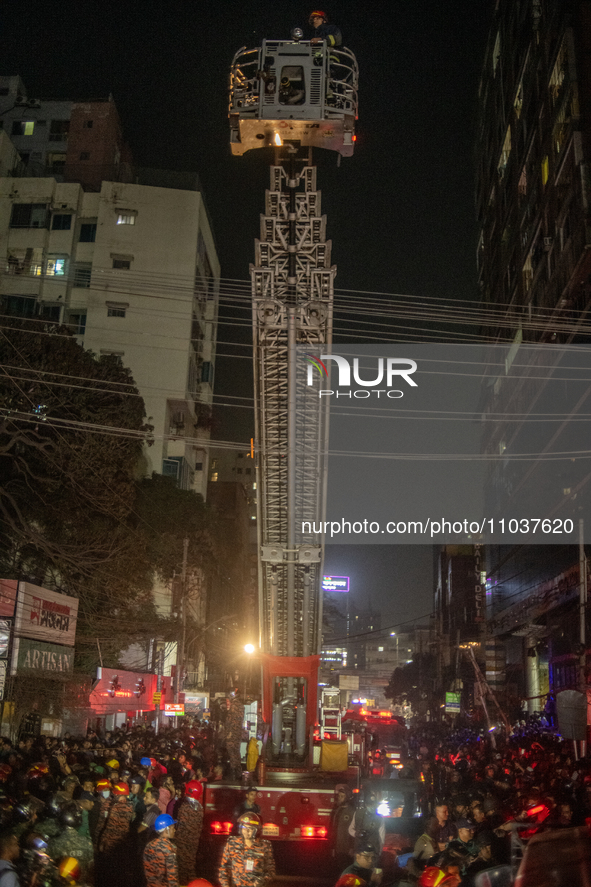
(247, 861)
(71, 844)
(112, 837)
(188, 830)
(160, 865)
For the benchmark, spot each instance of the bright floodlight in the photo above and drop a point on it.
(249, 648)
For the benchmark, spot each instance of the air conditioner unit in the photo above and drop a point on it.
(34, 103)
(21, 100)
(548, 241)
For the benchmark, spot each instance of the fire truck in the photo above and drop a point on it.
(291, 96)
(377, 740)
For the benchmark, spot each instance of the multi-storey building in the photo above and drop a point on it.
(126, 258)
(131, 267)
(533, 153)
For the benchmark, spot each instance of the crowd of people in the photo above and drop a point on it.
(125, 808)
(482, 804)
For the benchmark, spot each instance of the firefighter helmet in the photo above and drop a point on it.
(249, 820)
(69, 869)
(194, 790)
(121, 789)
(317, 13)
(163, 822)
(432, 876)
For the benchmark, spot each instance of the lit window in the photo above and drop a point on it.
(214, 477)
(56, 266)
(126, 218)
(380, 649)
(61, 222)
(23, 127)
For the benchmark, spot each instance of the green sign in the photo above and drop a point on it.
(38, 656)
(452, 703)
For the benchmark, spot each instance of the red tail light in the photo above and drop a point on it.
(221, 828)
(313, 831)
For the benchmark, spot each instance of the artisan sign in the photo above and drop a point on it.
(30, 655)
(45, 615)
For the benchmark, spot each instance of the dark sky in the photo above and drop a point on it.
(400, 212)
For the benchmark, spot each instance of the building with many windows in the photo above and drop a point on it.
(533, 155)
(131, 267)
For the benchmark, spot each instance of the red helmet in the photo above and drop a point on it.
(350, 881)
(5, 771)
(104, 784)
(432, 876)
(194, 790)
(121, 789)
(199, 882)
(319, 13)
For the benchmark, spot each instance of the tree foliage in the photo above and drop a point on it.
(74, 515)
(413, 683)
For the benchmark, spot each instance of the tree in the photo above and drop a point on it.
(413, 683)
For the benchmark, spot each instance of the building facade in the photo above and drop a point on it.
(533, 152)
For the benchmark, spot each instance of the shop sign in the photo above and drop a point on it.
(29, 655)
(45, 615)
(174, 708)
(8, 589)
(452, 703)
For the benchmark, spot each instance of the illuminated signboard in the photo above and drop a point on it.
(174, 708)
(335, 583)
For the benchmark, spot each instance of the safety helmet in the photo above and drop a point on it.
(163, 822)
(113, 764)
(249, 820)
(121, 789)
(199, 882)
(69, 869)
(319, 13)
(103, 785)
(194, 790)
(70, 816)
(432, 876)
(146, 762)
(350, 880)
(137, 780)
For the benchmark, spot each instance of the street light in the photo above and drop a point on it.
(249, 648)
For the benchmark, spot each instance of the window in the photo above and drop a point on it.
(25, 261)
(247, 470)
(87, 232)
(85, 155)
(56, 266)
(126, 217)
(61, 222)
(29, 215)
(82, 273)
(23, 127)
(77, 323)
(239, 471)
(113, 311)
(58, 130)
(87, 124)
(18, 306)
(56, 163)
(50, 312)
(207, 372)
(122, 264)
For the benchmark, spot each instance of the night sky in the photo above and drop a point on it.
(400, 212)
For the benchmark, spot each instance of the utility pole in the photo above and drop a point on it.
(180, 658)
(160, 672)
(582, 616)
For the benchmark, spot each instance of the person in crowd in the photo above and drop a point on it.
(160, 862)
(341, 817)
(247, 861)
(363, 868)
